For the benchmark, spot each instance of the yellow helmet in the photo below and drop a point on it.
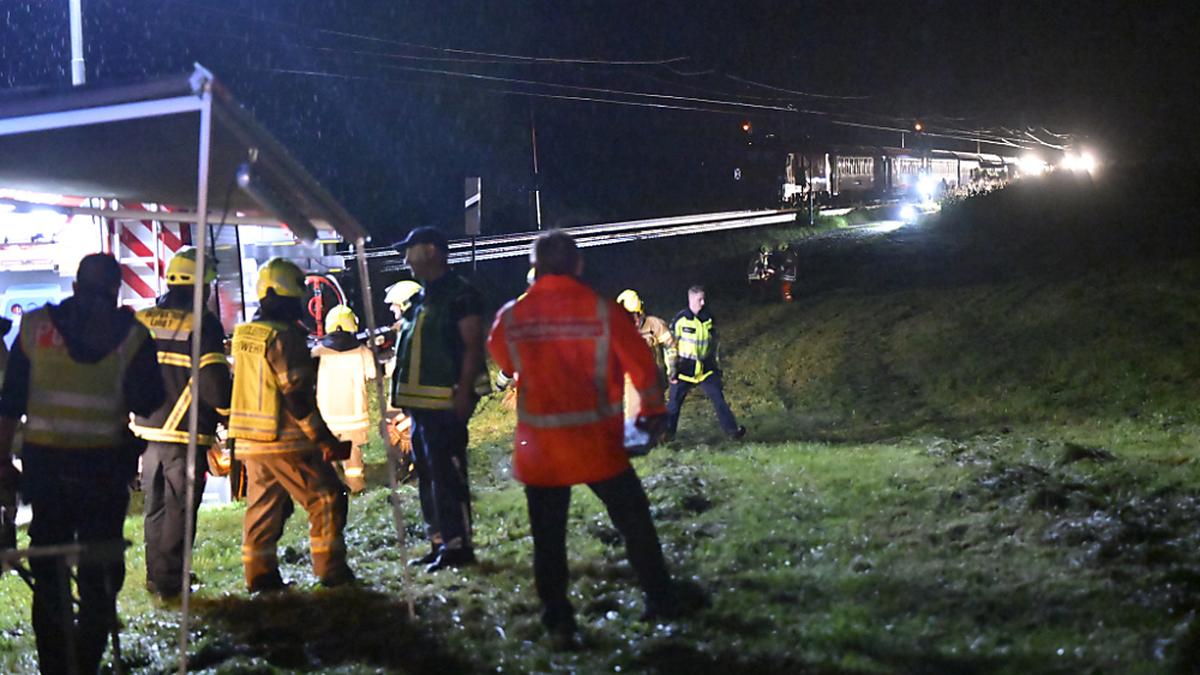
(341, 317)
(181, 271)
(401, 293)
(281, 276)
(630, 300)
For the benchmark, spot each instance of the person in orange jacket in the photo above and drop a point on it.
(571, 349)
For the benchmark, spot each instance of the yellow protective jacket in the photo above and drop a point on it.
(274, 409)
(73, 404)
(173, 332)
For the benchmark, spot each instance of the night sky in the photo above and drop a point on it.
(366, 93)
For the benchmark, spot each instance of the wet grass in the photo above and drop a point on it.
(955, 465)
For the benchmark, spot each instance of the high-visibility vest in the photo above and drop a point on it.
(71, 404)
(172, 330)
(693, 338)
(257, 417)
(256, 406)
(427, 369)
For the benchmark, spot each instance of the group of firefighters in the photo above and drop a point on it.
(580, 366)
(771, 266)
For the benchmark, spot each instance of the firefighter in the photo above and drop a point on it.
(400, 296)
(761, 272)
(76, 371)
(571, 349)
(657, 336)
(282, 438)
(164, 464)
(437, 377)
(787, 264)
(697, 365)
(344, 366)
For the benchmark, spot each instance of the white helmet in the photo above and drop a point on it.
(401, 293)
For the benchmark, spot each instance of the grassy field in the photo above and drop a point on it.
(971, 450)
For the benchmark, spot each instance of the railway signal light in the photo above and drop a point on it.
(918, 127)
(746, 127)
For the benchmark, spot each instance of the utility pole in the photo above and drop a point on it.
(78, 73)
(537, 186)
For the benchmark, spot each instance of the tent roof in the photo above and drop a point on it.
(140, 143)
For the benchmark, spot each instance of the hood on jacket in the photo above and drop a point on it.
(91, 326)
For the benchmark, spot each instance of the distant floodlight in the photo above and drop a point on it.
(926, 186)
(908, 213)
(918, 127)
(1031, 164)
(1082, 162)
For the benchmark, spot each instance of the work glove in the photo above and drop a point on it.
(336, 451)
(655, 426)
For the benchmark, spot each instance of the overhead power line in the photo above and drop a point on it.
(446, 50)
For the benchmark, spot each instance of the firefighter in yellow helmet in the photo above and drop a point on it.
(400, 296)
(658, 338)
(164, 464)
(76, 371)
(282, 438)
(344, 364)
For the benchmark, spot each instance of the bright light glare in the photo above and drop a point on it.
(6, 208)
(1084, 161)
(908, 213)
(925, 186)
(1031, 164)
(887, 226)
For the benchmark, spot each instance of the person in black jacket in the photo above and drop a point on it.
(76, 371)
(164, 464)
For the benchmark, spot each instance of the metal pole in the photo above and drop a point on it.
(78, 73)
(364, 285)
(194, 382)
(537, 181)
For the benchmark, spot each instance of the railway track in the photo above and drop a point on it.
(500, 246)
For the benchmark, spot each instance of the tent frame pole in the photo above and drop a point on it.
(364, 285)
(201, 242)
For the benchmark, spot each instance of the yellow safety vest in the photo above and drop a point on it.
(254, 411)
(172, 332)
(257, 418)
(692, 339)
(72, 404)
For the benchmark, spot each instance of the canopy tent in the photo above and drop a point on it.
(184, 142)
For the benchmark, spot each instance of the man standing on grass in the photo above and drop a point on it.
(76, 371)
(437, 380)
(571, 350)
(697, 365)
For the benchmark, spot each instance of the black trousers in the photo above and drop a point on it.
(164, 483)
(629, 510)
(439, 442)
(77, 496)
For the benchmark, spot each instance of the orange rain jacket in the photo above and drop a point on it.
(571, 350)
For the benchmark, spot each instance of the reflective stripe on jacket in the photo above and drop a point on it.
(271, 360)
(173, 332)
(694, 341)
(429, 348)
(73, 404)
(571, 349)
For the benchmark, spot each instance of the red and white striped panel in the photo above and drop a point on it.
(141, 283)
